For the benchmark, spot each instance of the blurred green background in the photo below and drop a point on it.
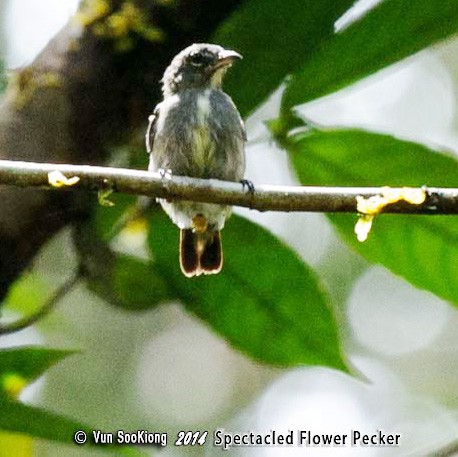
(268, 344)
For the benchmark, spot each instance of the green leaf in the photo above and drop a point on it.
(266, 301)
(137, 284)
(122, 280)
(29, 362)
(126, 281)
(393, 30)
(275, 38)
(29, 420)
(28, 293)
(105, 218)
(422, 249)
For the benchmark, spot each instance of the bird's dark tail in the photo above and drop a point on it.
(200, 253)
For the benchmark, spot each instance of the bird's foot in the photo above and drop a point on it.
(165, 173)
(250, 187)
(248, 184)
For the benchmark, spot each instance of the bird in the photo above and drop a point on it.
(197, 131)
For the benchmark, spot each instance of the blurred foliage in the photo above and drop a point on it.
(275, 38)
(267, 302)
(391, 31)
(22, 445)
(422, 249)
(28, 362)
(31, 420)
(126, 281)
(106, 219)
(19, 367)
(255, 308)
(28, 293)
(130, 283)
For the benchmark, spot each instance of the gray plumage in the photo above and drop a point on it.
(197, 131)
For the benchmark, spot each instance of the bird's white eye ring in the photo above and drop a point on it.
(198, 59)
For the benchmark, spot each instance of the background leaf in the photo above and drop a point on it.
(123, 280)
(126, 281)
(266, 302)
(105, 218)
(393, 30)
(28, 293)
(275, 38)
(422, 249)
(18, 418)
(137, 284)
(30, 362)
(23, 445)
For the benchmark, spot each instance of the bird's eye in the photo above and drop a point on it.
(199, 59)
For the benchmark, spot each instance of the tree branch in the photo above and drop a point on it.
(265, 197)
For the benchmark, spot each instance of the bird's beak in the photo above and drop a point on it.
(227, 57)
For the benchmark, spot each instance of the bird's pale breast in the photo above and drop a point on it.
(199, 133)
(204, 144)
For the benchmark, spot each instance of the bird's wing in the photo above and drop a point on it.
(151, 131)
(243, 130)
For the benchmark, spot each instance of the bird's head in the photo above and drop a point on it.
(200, 65)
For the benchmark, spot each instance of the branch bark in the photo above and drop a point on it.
(264, 198)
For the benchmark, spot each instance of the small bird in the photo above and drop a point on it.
(197, 131)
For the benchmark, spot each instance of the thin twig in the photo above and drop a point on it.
(26, 321)
(137, 210)
(265, 198)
